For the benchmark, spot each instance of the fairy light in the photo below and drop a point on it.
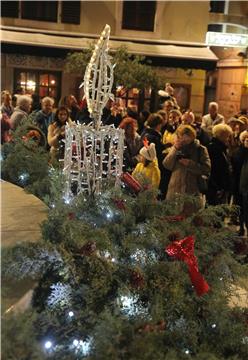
(75, 342)
(88, 169)
(71, 314)
(48, 345)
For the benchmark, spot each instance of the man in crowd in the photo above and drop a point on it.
(212, 118)
(45, 116)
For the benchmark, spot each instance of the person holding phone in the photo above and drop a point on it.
(187, 160)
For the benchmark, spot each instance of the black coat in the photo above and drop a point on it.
(240, 170)
(220, 178)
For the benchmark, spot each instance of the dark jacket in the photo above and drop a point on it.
(219, 184)
(240, 170)
(43, 120)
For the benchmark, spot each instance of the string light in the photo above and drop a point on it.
(23, 178)
(48, 345)
(71, 313)
(75, 342)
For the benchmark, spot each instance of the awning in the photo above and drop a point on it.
(133, 47)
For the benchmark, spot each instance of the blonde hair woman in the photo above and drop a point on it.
(187, 160)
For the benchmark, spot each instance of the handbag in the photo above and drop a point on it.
(202, 182)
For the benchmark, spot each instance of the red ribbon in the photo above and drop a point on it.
(184, 250)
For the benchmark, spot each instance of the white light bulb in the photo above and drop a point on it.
(187, 351)
(75, 342)
(213, 326)
(48, 344)
(71, 313)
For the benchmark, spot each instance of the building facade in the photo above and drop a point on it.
(36, 37)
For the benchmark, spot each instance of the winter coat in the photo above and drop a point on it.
(7, 110)
(243, 184)
(220, 177)
(150, 172)
(19, 117)
(184, 179)
(43, 120)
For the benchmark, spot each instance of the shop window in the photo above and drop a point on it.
(134, 98)
(9, 9)
(138, 15)
(217, 6)
(71, 12)
(42, 83)
(39, 10)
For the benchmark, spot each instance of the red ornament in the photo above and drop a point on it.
(136, 279)
(119, 203)
(174, 218)
(88, 249)
(130, 181)
(147, 328)
(71, 216)
(184, 250)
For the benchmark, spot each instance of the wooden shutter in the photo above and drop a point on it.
(40, 10)
(139, 15)
(71, 12)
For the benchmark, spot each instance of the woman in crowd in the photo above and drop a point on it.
(132, 142)
(174, 121)
(240, 171)
(219, 185)
(6, 107)
(20, 114)
(56, 132)
(71, 103)
(147, 168)
(187, 160)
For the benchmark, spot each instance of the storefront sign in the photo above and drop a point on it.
(226, 39)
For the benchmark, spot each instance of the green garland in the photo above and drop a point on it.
(106, 289)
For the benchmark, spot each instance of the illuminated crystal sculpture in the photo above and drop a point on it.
(94, 152)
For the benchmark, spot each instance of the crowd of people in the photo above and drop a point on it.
(174, 151)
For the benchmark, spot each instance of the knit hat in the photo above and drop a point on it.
(149, 152)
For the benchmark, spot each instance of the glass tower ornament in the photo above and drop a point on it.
(93, 152)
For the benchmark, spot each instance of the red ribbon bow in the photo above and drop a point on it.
(184, 250)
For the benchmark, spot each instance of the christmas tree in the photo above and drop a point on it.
(120, 275)
(107, 289)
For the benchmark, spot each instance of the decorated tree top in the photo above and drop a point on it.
(98, 78)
